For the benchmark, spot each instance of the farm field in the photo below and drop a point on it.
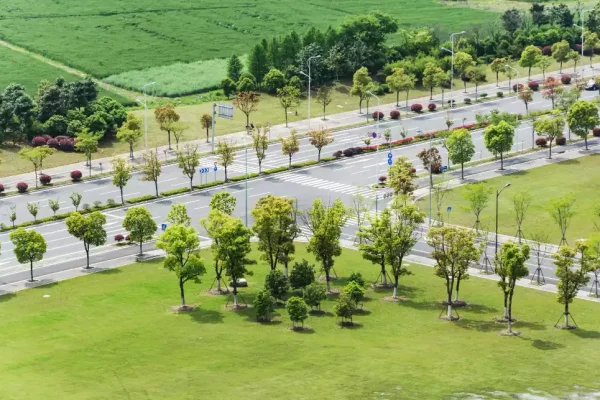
(112, 335)
(578, 176)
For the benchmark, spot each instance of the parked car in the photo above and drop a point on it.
(591, 85)
(240, 283)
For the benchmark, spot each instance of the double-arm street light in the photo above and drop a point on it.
(582, 27)
(145, 104)
(451, 51)
(498, 195)
(309, 81)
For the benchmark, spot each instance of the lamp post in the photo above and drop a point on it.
(452, 67)
(498, 195)
(309, 81)
(145, 104)
(246, 151)
(377, 151)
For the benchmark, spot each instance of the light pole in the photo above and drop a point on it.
(309, 81)
(452, 67)
(498, 195)
(377, 151)
(145, 104)
(582, 27)
(518, 77)
(246, 151)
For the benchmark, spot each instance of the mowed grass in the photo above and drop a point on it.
(579, 176)
(112, 336)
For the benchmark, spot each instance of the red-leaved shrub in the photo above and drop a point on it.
(382, 178)
(533, 85)
(561, 141)
(45, 179)
(128, 237)
(66, 145)
(38, 141)
(338, 154)
(52, 143)
(541, 142)
(596, 132)
(519, 86)
(377, 115)
(416, 108)
(547, 50)
(1, 188)
(431, 106)
(565, 79)
(22, 187)
(394, 114)
(47, 137)
(119, 238)
(76, 175)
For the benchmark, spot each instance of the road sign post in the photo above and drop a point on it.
(223, 111)
(215, 170)
(448, 209)
(163, 227)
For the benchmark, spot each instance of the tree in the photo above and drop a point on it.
(87, 143)
(477, 76)
(521, 202)
(526, 96)
(229, 87)
(355, 291)
(395, 82)
(575, 57)
(570, 279)
(454, 250)
(590, 43)
(510, 74)
(234, 68)
(407, 84)
(297, 310)
(551, 127)
(166, 116)
(462, 61)
(247, 102)
(258, 64)
(360, 84)
(373, 243)
(264, 305)
(498, 65)
(344, 308)
(529, 58)
(442, 80)
(151, 168)
(225, 202)
(75, 199)
(121, 174)
(552, 89)
(36, 156)
(206, 123)
(302, 275)
(289, 97)
(54, 206)
(260, 143)
(225, 155)
(29, 247)
(314, 294)
(273, 81)
(181, 243)
(188, 160)
(560, 52)
(290, 146)
(89, 229)
(320, 138)
(324, 97)
(512, 20)
(178, 215)
(582, 117)
(432, 161)
(460, 148)
(402, 177)
(325, 223)
(477, 196)
(544, 62)
(140, 225)
(277, 284)
(429, 77)
(561, 211)
(510, 266)
(498, 139)
(178, 129)
(275, 226)
(129, 136)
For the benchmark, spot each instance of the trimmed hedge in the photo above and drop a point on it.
(175, 191)
(596, 132)
(140, 199)
(416, 108)
(395, 114)
(209, 184)
(243, 177)
(541, 142)
(533, 85)
(431, 106)
(275, 170)
(76, 175)
(561, 141)
(45, 179)
(304, 164)
(22, 187)
(327, 159)
(565, 79)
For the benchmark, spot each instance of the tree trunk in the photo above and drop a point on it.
(36, 177)
(407, 100)
(505, 305)
(192, 184)
(395, 294)
(383, 274)
(87, 256)
(319, 156)
(207, 135)
(462, 170)
(497, 72)
(225, 173)
(122, 199)
(585, 139)
(286, 117)
(131, 151)
(560, 71)
(430, 92)
(259, 167)
(327, 280)
(529, 73)
(510, 296)
(235, 299)
(290, 163)
(182, 294)
(457, 289)
(324, 113)
(285, 266)
(156, 186)
(442, 97)
(566, 313)
(169, 135)
(501, 161)
(550, 151)
(141, 251)
(397, 99)
(31, 270)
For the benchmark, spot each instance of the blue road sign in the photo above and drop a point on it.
(444, 167)
(449, 209)
(390, 161)
(390, 155)
(374, 134)
(215, 168)
(207, 170)
(201, 170)
(163, 226)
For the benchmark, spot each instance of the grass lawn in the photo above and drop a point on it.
(111, 336)
(579, 176)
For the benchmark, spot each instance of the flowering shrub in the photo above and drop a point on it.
(1, 188)
(338, 154)
(565, 79)
(45, 179)
(382, 178)
(76, 175)
(66, 145)
(395, 114)
(416, 108)
(38, 141)
(22, 187)
(61, 137)
(413, 170)
(128, 237)
(547, 50)
(436, 168)
(47, 137)
(519, 86)
(431, 106)
(52, 143)
(561, 141)
(541, 142)
(596, 132)
(377, 115)
(533, 85)
(349, 152)
(119, 238)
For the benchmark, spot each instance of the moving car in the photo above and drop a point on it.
(591, 85)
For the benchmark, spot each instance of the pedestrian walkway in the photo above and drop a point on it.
(319, 183)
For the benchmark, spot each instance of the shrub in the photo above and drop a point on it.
(349, 152)
(97, 203)
(305, 163)
(377, 115)
(264, 305)
(175, 191)
(38, 141)
(128, 237)
(413, 170)
(302, 274)
(61, 137)
(561, 141)
(140, 199)
(533, 85)
(66, 145)
(436, 169)
(541, 142)
(47, 137)
(395, 114)
(483, 95)
(338, 154)
(111, 202)
(76, 175)
(517, 86)
(416, 108)
(53, 143)
(382, 178)
(500, 94)
(314, 294)
(22, 187)
(358, 150)
(242, 177)
(277, 284)
(547, 50)
(119, 238)
(45, 179)
(596, 132)
(358, 278)
(355, 291)
(1, 188)
(297, 310)
(431, 106)
(467, 100)
(451, 101)
(565, 79)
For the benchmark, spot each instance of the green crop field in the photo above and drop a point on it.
(112, 336)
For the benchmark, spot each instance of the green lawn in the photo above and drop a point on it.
(111, 336)
(579, 176)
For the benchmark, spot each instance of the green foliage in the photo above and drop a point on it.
(264, 305)
(314, 294)
(402, 176)
(188, 160)
(354, 291)
(582, 117)
(570, 279)
(140, 224)
(223, 202)
(344, 308)
(460, 147)
(140, 199)
(273, 81)
(277, 284)
(121, 174)
(499, 138)
(89, 229)
(297, 310)
(29, 247)
(235, 68)
(175, 191)
(358, 278)
(302, 275)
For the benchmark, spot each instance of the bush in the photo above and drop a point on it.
(1, 188)
(277, 284)
(111, 202)
(45, 179)
(38, 141)
(119, 238)
(561, 141)
(97, 204)
(209, 184)
(358, 150)
(61, 137)
(355, 291)
(596, 132)
(305, 163)
(377, 115)
(22, 187)
(302, 274)
(274, 170)
(264, 305)
(297, 310)
(243, 177)
(500, 94)
(382, 178)
(467, 100)
(483, 95)
(431, 106)
(451, 101)
(416, 108)
(53, 143)
(47, 137)
(565, 79)
(395, 114)
(85, 207)
(547, 50)
(436, 169)
(517, 86)
(175, 191)
(76, 175)
(327, 159)
(541, 142)
(338, 154)
(140, 199)
(128, 237)
(344, 308)
(66, 145)
(358, 278)
(314, 294)
(533, 85)
(349, 152)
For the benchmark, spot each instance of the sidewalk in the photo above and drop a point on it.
(104, 165)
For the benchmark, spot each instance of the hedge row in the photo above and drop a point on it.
(175, 191)
(140, 199)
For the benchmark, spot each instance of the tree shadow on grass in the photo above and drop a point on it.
(6, 296)
(106, 271)
(546, 345)
(362, 311)
(205, 316)
(42, 284)
(320, 313)
(480, 308)
(305, 330)
(422, 305)
(354, 325)
(480, 326)
(585, 334)
(534, 326)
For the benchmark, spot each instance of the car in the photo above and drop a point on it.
(240, 283)
(591, 85)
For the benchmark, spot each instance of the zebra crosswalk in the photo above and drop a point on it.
(327, 185)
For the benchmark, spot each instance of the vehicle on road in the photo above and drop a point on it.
(591, 85)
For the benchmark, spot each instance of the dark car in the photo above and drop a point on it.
(591, 85)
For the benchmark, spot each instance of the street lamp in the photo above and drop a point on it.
(452, 67)
(498, 195)
(518, 77)
(377, 151)
(582, 27)
(309, 81)
(246, 151)
(145, 104)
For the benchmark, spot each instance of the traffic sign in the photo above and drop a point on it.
(225, 111)
(449, 209)
(206, 170)
(163, 227)
(374, 135)
(390, 161)
(390, 155)
(215, 168)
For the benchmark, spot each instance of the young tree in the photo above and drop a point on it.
(462, 61)
(460, 148)
(510, 266)
(140, 225)
(289, 97)
(54, 206)
(121, 174)
(225, 155)
(247, 102)
(429, 77)
(361, 206)
(402, 177)
(544, 63)
(498, 139)
(314, 294)
(477, 196)
(498, 65)
(151, 168)
(561, 210)
(345, 308)
(260, 143)
(178, 129)
(355, 291)
(264, 305)
(181, 244)
(206, 123)
(407, 84)
(277, 284)
(129, 136)
(552, 89)
(290, 146)
(235, 67)
(178, 215)
(439, 192)
(89, 229)
(560, 52)
(575, 57)
(477, 75)
(551, 128)
(325, 223)
(75, 199)
(36, 157)
(87, 143)
(443, 81)
(590, 43)
(275, 227)
(320, 138)
(373, 242)
(360, 84)
(582, 117)
(224, 202)
(529, 58)
(324, 97)
(213, 225)
(29, 247)
(297, 310)
(166, 116)
(188, 160)
(302, 275)
(526, 96)
(570, 279)
(33, 210)
(521, 202)
(454, 250)
(395, 82)
(432, 161)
